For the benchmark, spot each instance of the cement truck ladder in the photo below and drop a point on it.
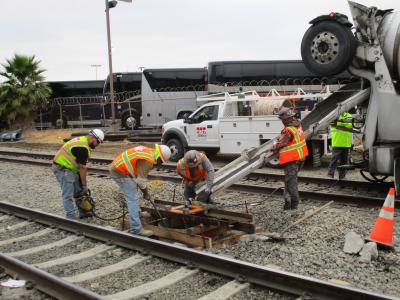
(323, 114)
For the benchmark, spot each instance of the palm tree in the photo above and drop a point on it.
(23, 92)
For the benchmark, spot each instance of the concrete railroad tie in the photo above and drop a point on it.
(41, 248)
(153, 286)
(74, 257)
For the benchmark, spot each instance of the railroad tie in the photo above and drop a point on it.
(5, 218)
(33, 250)
(74, 257)
(15, 226)
(226, 291)
(153, 286)
(124, 264)
(27, 237)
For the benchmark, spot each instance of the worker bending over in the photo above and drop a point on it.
(69, 167)
(195, 167)
(129, 170)
(342, 140)
(293, 150)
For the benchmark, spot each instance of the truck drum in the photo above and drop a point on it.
(328, 48)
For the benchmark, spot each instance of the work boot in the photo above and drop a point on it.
(85, 216)
(331, 175)
(294, 205)
(144, 232)
(287, 205)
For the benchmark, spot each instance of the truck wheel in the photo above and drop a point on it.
(130, 121)
(328, 48)
(176, 149)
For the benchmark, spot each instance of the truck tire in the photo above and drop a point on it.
(130, 121)
(328, 48)
(177, 150)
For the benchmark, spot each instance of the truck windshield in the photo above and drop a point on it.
(207, 113)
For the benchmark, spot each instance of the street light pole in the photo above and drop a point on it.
(110, 76)
(96, 66)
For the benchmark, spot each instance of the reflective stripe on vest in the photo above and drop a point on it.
(296, 149)
(340, 138)
(64, 156)
(199, 173)
(126, 161)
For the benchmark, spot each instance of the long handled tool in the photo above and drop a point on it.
(279, 236)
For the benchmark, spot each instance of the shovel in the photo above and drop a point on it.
(275, 236)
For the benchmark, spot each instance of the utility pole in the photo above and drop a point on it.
(96, 66)
(110, 72)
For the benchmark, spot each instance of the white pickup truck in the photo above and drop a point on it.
(228, 124)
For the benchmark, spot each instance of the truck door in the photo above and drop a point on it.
(203, 130)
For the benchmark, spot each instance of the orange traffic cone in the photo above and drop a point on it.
(382, 233)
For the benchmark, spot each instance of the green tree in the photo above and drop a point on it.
(23, 92)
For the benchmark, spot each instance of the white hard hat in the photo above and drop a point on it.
(98, 134)
(163, 152)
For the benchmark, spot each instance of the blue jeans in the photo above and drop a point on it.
(70, 186)
(130, 190)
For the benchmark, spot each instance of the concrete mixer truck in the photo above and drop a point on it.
(369, 49)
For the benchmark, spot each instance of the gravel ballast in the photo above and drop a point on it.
(314, 248)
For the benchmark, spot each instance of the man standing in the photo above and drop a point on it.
(293, 150)
(196, 167)
(129, 170)
(342, 140)
(69, 167)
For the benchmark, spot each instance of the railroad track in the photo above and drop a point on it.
(310, 188)
(68, 259)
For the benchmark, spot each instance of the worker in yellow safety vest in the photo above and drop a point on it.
(195, 167)
(130, 170)
(342, 141)
(293, 150)
(69, 167)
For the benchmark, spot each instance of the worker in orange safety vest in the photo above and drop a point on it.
(292, 148)
(130, 170)
(195, 167)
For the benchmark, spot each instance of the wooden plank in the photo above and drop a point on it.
(201, 219)
(174, 235)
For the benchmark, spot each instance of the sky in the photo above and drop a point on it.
(69, 36)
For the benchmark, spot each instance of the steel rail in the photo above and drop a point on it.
(382, 187)
(46, 282)
(354, 198)
(263, 276)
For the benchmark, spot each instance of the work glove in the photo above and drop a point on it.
(146, 194)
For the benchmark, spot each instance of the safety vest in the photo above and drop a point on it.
(127, 160)
(199, 173)
(339, 137)
(296, 149)
(64, 156)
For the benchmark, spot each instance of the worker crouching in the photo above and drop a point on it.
(195, 167)
(69, 167)
(130, 170)
(293, 150)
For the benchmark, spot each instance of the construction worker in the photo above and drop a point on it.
(195, 167)
(69, 167)
(129, 170)
(342, 140)
(292, 148)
